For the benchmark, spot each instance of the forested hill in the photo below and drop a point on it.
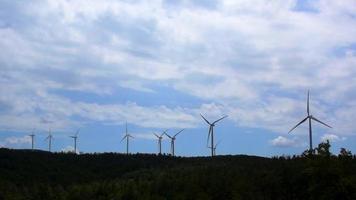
(26, 174)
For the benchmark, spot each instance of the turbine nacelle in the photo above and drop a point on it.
(127, 136)
(159, 137)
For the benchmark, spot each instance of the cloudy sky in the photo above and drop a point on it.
(158, 64)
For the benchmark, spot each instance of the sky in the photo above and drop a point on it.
(159, 64)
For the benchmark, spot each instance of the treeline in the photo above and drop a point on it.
(26, 174)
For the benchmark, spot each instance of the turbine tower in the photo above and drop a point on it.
(172, 140)
(49, 138)
(160, 137)
(211, 131)
(32, 135)
(309, 117)
(75, 137)
(127, 136)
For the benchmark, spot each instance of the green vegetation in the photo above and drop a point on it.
(26, 174)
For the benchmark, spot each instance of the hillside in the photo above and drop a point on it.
(26, 174)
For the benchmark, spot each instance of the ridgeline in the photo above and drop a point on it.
(26, 174)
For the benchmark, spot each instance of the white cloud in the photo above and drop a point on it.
(135, 86)
(18, 140)
(252, 60)
(332, 137)
(281, 141)
(69, 149)
(15, 141)
(145, 136)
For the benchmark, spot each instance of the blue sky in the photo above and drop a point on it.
(93, 65)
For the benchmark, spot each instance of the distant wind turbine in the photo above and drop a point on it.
(75, 137)
(160, 137)
(127, 136)
(173, 138)
(309, 117)
(32, 135)
(49, 138)
(211, 131)
(214, 148)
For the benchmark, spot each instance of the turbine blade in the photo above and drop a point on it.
(207, 142)
(298, 124)
(320, 121)
(126, 127)
(205, 119)
(168, 135)
(123, 138)
(178, 132)
(217, 144)
(165, 132)
(220, 119)
(308, 104)
(77, 132)
(131, 136)
(156, 135)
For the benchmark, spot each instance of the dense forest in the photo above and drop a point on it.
(26, 174)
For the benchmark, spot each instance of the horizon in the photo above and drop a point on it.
(160, 64)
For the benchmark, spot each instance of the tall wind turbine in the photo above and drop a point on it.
(172, 140)
(309, 117)
(32, 135)
(49, 138)
(127, 136)
(75, 137)
(211, 131)
(160, 137)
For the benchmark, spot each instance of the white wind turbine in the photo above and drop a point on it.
(214, 148)
(160, 137)
(211, 131)
(173, 138)
(127, 136)
(75, 137)
(49, 138)
(32, 135)
(309, 117)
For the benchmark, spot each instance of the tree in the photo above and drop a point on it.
(344, 153)
(323, 149)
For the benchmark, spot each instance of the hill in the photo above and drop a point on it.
(26, 174)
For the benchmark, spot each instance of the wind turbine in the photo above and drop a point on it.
(127, 136)
(214, 148)
(211, 131)
(32, 135)
(309, 117)
(75, 137)
(160, 137)
(49, 138)
(172, 140)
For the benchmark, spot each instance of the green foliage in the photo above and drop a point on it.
(345, 153)
(323, 149)
(42, 175)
